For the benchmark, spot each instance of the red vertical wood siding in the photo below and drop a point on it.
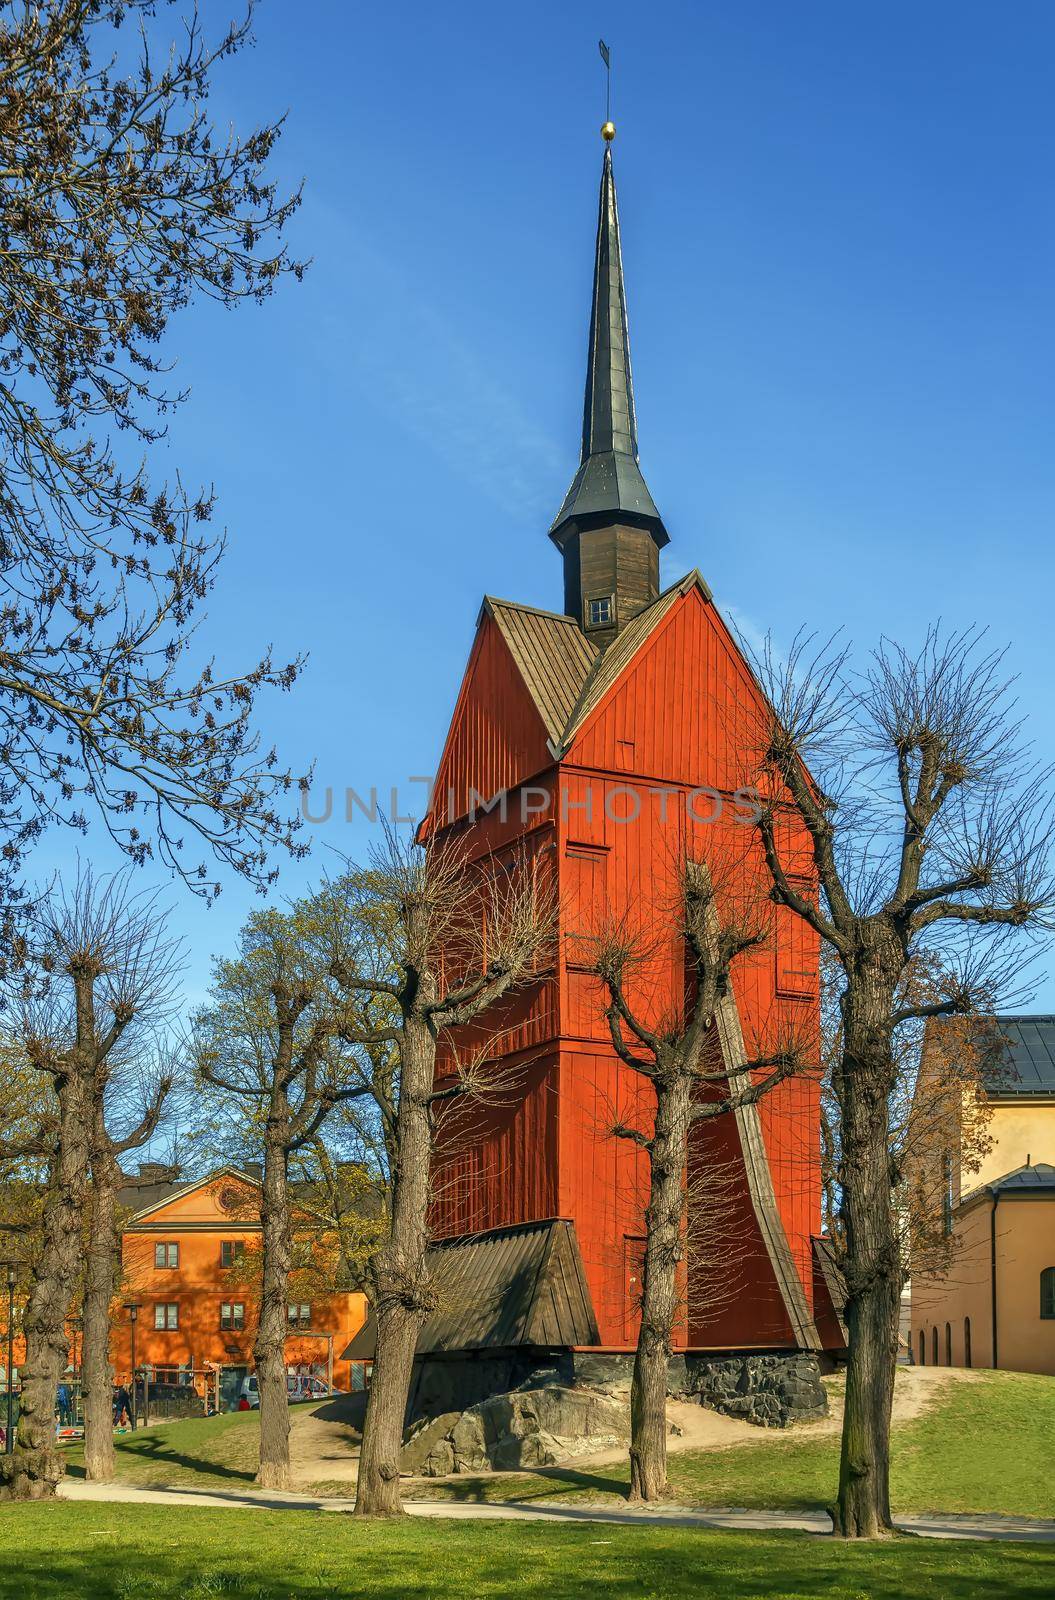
(686, 713)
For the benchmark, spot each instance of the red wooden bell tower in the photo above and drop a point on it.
(606, 730)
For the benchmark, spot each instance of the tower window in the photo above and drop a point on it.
(600, 612)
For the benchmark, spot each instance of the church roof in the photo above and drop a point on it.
(566, 674)
(609, 484)
(553, 655)
(508, 1287)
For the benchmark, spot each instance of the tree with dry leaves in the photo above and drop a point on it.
(930, 825)
(269, 1044)
(119, 205)
(696, 1069)
(434, 942)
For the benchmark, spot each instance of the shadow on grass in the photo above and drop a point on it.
(481, 1490)
(403, 1564)
(155, 1450)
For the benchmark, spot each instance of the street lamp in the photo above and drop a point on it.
(10, 1357)
(76, 1327)
(132, 1307)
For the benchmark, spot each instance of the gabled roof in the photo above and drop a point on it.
(179, 1191)
(624, 647)
(522, 1285)
(553, 655)
(563, 671)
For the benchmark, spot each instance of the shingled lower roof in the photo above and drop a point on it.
(564, 672)
(508, 1287)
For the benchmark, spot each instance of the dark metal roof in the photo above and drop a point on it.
(1026, 1180)
(508, 1287)
(1023, 1056)
(609, 481)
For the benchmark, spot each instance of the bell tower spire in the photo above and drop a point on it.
(608, 529)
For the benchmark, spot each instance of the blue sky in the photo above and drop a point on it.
(840, 248)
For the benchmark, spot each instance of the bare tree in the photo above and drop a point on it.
(119, 204)
(929, 827)
(98, 966)
(129, 1096)
(696, 1069)
(270, 1042)
(437, 941)
(939, 1115)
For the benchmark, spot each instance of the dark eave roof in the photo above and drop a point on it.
(508, 1287)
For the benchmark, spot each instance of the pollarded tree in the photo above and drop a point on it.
(929, 827)
(96, 978)
(434, 942)
(696, 1068)
(119, 204)
(269, 1042)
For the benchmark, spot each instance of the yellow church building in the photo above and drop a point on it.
(993, 1304)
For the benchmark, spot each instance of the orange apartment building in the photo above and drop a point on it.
(188, 1252)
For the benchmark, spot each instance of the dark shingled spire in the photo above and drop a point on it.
(608, 485)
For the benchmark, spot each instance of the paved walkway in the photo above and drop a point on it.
(932, 1527)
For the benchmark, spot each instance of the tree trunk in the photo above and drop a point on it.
(401, 1296)
(34, 1468)
(873, 1272)
(664, 1238)
(96, 1368)
(269, 1350)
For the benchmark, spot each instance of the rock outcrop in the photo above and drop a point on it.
(525, 1428)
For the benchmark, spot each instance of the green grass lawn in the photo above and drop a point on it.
(985, 1445)
(52, 1552)
(204, 1452)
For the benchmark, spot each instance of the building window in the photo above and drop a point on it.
(600, 612)
(922, 1348)
(948, 1344)
(946, 1194)
(231, 1252)
(166, 1315)
(166, 1255)
(232, 1316)
(1047, 1293)
(934, 1346)
(967, 1341)
(300, 1316)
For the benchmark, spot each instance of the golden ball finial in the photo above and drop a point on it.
(608, 132)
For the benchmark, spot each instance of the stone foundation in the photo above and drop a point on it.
(504, 1398)
(768, 1390)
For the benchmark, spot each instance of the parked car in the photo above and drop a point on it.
(249, 1390)
(301, 1387)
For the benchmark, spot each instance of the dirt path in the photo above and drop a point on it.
(324, 1443)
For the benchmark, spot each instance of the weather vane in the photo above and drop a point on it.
(608, 131)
